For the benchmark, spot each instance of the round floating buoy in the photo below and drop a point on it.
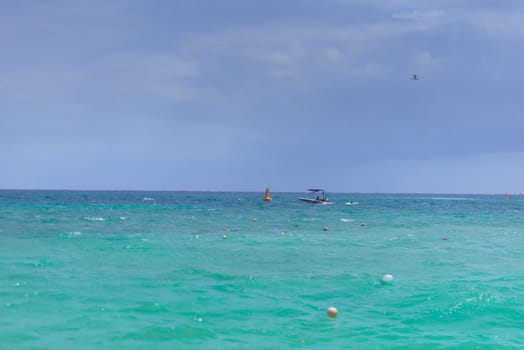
(387, 278)
(332, 312)
(363, 224)
(224, 236)
(325, 228)
(444, 238)
(282, 233)
(254, 219)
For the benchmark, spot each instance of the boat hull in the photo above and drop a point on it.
(315, 201)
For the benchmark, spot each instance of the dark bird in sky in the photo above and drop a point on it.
(414, 77)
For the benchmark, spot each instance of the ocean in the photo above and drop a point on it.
(195, 270)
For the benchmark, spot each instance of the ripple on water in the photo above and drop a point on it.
(164, 278)
(183, 333)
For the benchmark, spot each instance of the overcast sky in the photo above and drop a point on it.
(240, 95)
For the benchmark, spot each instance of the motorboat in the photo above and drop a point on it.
(316, 195)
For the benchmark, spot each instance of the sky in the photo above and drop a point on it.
(237, 95)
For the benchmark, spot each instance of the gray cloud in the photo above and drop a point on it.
(128, 86)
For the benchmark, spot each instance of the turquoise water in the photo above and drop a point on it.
(152, 270)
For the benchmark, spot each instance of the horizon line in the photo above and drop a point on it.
(262, 191)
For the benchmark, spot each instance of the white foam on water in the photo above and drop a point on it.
(94, 218)
(451, 199)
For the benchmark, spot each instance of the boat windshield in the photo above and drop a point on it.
(318, 193)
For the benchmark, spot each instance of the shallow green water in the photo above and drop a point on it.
(132, 270)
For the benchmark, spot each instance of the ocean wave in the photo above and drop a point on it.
(451, 199)
(94, 218)
(71, 234)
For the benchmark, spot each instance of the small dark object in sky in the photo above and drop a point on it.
(414, 77)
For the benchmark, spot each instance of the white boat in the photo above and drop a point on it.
(317, 195)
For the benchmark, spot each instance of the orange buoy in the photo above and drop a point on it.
(267, 197)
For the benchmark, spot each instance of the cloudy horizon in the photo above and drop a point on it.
(237, 96)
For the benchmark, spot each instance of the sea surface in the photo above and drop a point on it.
(184, 270)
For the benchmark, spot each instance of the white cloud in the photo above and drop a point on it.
(333, 54)
(505, 24)
(283, 73)
(280, 58)
(39, 81)
(304, 51)
(425, 61)
(369, 70)
(419, 15)
(493, 21)
(152, 74)
(161, 75)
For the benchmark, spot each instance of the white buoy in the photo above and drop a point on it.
(224, 236)
(387, 278)
(282, 233)
(332, 312)
(325, 228)
(254, 219)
